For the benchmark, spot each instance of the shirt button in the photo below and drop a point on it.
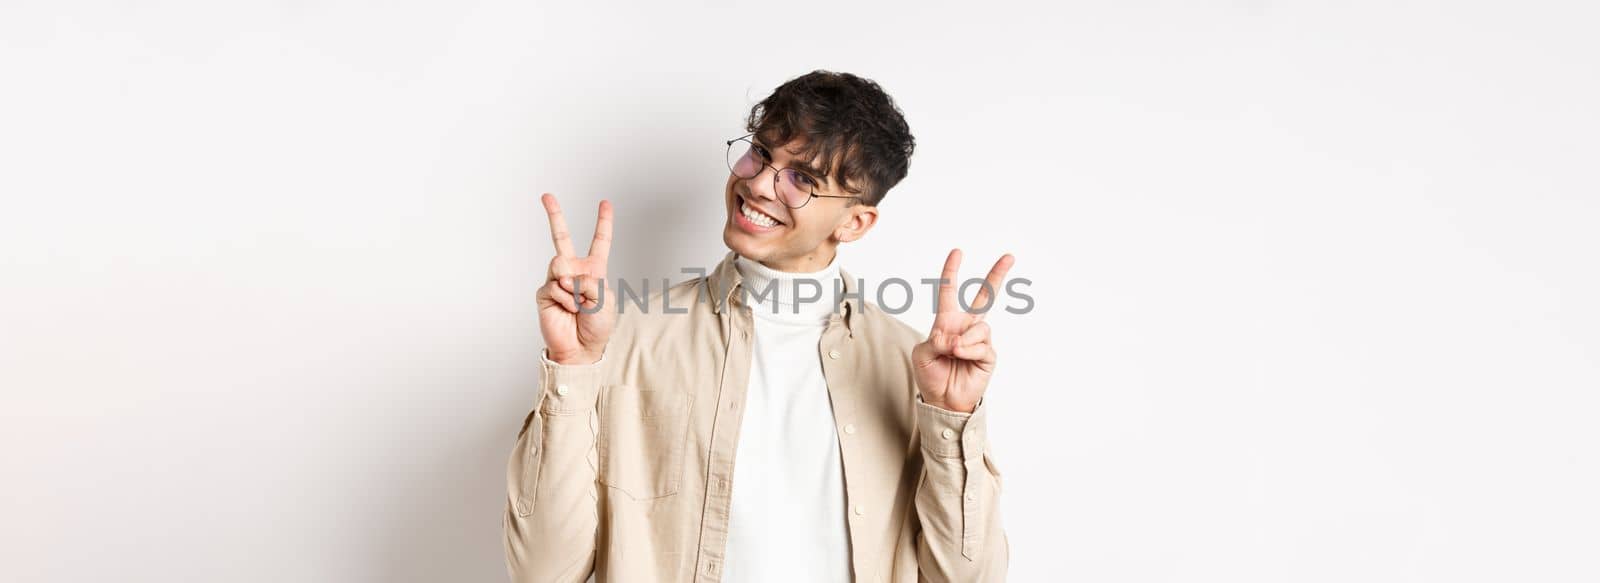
(859, 511)
(849, 428)
(562, 390)
(947, 434)
(971, 497)
(833, 354)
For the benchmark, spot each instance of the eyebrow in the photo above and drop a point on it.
(810, 170)
(805, 167)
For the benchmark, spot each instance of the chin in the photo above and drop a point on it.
(739, 242)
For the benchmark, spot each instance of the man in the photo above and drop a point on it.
(736, 429)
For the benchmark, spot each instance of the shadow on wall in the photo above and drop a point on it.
(443, 523)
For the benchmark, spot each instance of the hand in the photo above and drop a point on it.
(575, 336)
(954, 364)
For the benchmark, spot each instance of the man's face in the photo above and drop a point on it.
(801, 239)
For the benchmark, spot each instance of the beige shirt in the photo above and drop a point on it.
(624, 468)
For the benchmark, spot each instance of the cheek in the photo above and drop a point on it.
(813, 225)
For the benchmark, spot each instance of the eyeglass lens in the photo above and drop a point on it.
(794, 188)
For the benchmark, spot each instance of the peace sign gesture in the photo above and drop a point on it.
(954, 364)
(573, 335)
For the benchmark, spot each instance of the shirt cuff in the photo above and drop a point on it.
(946, 433)
(569, 388)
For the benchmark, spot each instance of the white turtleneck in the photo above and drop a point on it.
(787, 519)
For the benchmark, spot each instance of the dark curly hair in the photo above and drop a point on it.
(852, 131)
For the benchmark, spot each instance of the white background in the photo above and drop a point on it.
(1315, 281)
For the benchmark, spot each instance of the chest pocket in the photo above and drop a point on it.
(643, 434)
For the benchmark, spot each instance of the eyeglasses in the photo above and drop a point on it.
(747, 159)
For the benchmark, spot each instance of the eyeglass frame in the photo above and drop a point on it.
(776, 171)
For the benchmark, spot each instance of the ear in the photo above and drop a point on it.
(857, 221)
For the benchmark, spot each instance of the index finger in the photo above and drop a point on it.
(601, 245)
(947, 283)
(558, 226)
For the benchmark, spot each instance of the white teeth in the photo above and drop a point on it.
(756, 216)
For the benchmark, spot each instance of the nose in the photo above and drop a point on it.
(762, 186)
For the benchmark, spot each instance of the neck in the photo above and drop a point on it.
(817, 260)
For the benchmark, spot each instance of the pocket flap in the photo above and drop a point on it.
(648, 403)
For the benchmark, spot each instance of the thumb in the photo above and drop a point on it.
(943, 342)
(924, 353)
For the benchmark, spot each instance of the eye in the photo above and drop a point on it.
(761, 152)
(804, 180)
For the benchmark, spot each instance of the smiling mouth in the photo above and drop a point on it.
(756, 217)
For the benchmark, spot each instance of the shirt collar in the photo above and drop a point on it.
(776, 293)
(725, 282)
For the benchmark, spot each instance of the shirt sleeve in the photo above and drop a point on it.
(552, 506)
(961, 538)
